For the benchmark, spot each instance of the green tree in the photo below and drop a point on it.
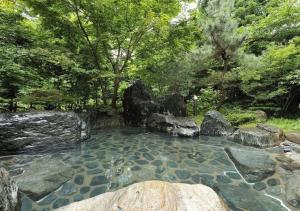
(222, 35)
(107, 32)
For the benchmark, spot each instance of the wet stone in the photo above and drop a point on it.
(79, 179)
(200, 160)
(273, 182)
(60, 203)
(148, 156)
(138, 154)
(92, 165)
(244, 185)
(114, 185)
(158, 176)
(196, 178)
(160, 170)
(172, 164)
(143, 150)
(26, 204)
(134, 157)
(98, 180)
(142, 162)
(223, 179)
(274, 190)
(94, 171)
(67, 189)
(207, 180)
(233, 175)
(136, 168)
(84, 190)
(106, 166)
(126, 148)
(259, 186)
(191, 163)
(157, 163)
(78, 197)
(98, 191)
(48, 199)
(183, 174)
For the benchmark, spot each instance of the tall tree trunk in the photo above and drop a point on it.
(115, 92)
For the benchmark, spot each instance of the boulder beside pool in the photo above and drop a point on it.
(43, 176)
(262, 136)
(214, 124)
(177, 126)
(21, 132)
(153, 195)
(254, 164)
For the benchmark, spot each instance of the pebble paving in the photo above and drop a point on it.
(115, 158)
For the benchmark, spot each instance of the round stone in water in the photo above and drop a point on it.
(182, 174)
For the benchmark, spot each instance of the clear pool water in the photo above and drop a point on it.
(114, 158)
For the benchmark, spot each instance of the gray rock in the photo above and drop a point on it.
(10, 198)
(177, 126)
(174, 104)
(262, 136)
(293, 189)
(255, 165)
(214, 124)
(40, 130)
(239, 198)
(43, 176)
(260, 186)
(138, 105)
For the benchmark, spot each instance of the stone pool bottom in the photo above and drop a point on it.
(115, 158)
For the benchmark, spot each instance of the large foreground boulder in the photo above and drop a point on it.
(154, 195)
(35, 130)
(214, 124)
(174, 104)
(261, 136)
(43, 176)
(138, 105)
(10, 198)
(177, 126)
(254, 164)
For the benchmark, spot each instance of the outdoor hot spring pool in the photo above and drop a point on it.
(114, 158)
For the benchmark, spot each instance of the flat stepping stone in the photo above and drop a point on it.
(254, 164)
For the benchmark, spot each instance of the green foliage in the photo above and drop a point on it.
(208, 99)
(83, 54)
(46, 96)
(237, 116)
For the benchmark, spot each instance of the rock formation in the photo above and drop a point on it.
(153, 195)
(10, 198)
(254, 164)
(43, 176)
(36, 130)
(262, 136)
(214, 124)
(177, 126)
(138, 105)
